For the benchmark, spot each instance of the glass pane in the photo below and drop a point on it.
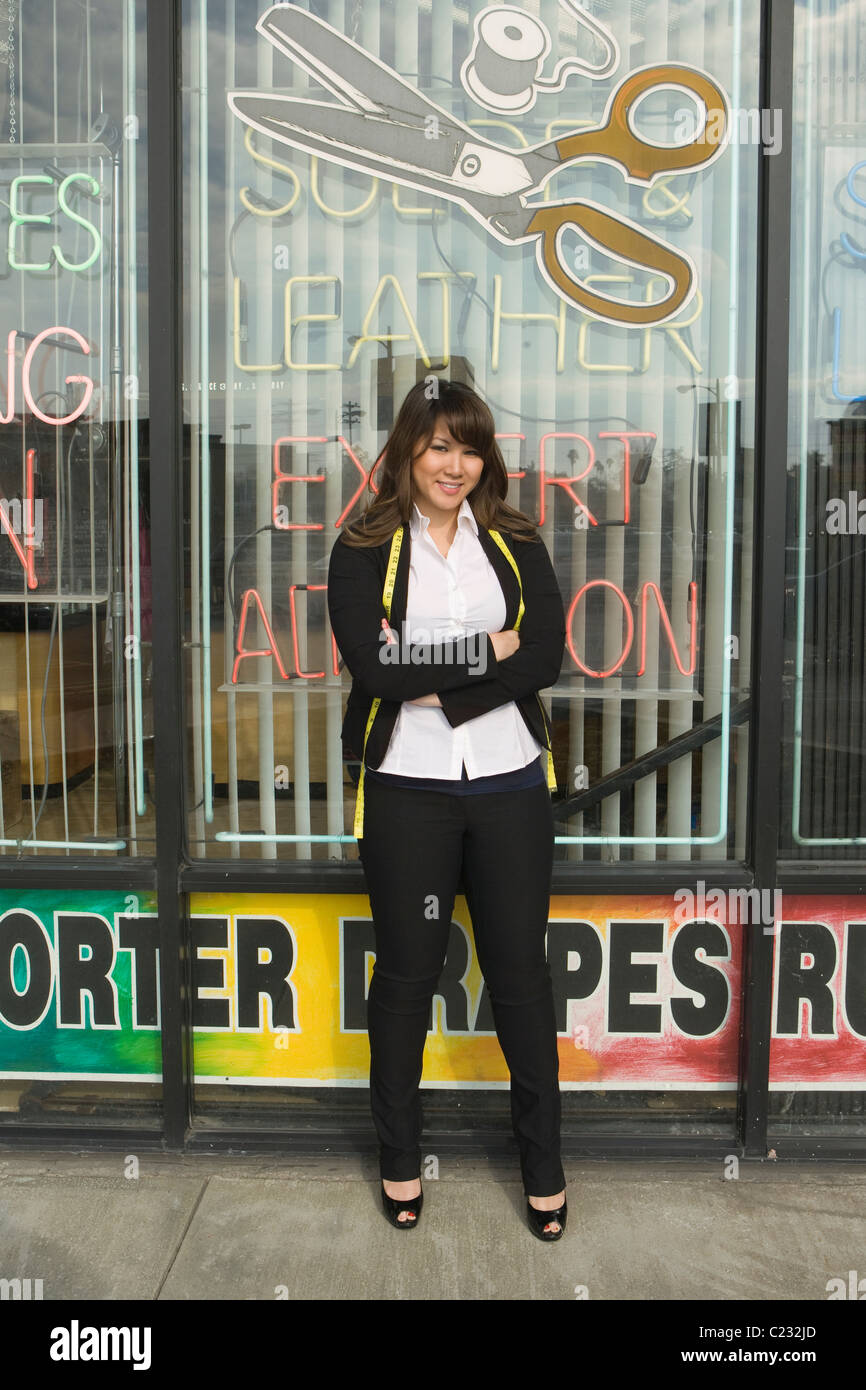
(817, 1082)
(75, 706)
(824, 806)
(79, 1008)
(614, 343)
(646, 993)
(320, 284)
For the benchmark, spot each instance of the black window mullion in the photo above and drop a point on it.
(164, 274)
(771, 403)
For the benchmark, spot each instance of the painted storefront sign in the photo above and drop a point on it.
(647, 991)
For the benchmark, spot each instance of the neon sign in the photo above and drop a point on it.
(25, 552)
(51, 337)
(858, 257)
(20, 219)
(647, 591)
(432, 340)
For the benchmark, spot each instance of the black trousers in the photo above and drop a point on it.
(418, 845)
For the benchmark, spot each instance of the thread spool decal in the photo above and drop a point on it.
(503, 73)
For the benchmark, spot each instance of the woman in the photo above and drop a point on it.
(446, 610)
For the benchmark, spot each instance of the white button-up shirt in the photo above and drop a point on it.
(449, 597)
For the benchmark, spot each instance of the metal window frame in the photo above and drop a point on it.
(770, 522)
(164, 172)
(175, 875)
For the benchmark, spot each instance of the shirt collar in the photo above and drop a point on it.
(418, 522)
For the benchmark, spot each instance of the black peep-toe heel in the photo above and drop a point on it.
(393, 1208)
(539, 1219)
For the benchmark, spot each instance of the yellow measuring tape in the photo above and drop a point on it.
(551, 775)
(387, 596)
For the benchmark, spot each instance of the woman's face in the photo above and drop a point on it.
(444, 473)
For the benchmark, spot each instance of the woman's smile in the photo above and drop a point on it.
(443, 474)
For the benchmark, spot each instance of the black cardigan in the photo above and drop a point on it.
(356, 578)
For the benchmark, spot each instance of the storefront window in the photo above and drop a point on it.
(816, 1060)
(79, 1008)
(557, 203)
(824, 812)
(75, 706)
(331, 260)
(321, 283)
(79, 1005)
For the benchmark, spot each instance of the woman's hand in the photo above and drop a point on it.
(425, 700)
(505, 643)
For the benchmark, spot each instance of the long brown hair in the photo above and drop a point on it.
(470, 422)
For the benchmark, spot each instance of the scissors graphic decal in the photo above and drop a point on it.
(382, 126)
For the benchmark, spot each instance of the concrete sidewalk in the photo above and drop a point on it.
(217, 1227)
